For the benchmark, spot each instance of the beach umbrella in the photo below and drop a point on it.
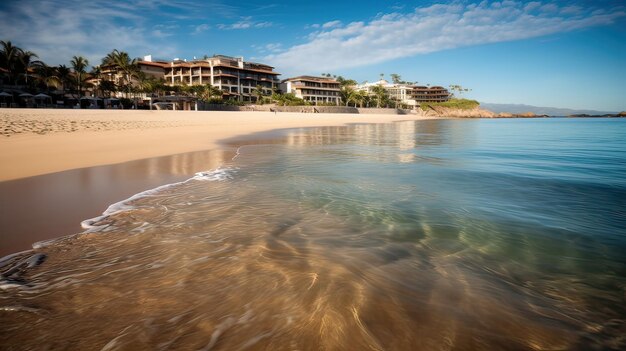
(26, 95)
(42, 96)
(5, 95)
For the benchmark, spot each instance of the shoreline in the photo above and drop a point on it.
(39, 207)
(89, 138)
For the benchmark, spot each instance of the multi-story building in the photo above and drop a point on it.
(432, 94)
(316, 90)
(235, 77)
(409, 94)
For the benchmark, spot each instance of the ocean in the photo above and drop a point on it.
(459, 234)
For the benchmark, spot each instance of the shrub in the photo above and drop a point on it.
(462, 104)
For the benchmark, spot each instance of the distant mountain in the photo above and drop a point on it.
(550, 111)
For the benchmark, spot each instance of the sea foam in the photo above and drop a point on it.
(91, 225)
(218, 174)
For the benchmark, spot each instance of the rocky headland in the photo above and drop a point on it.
(476, 112)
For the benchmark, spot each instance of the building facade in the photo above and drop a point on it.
(316, 90)
(236, 78)
(410, 95)
(432, 94)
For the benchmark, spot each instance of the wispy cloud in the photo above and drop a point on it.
(201, 28)
(268, 48)
(245, 23)
(164, 30)
(331, 24)
(58, 30)
(434, 28)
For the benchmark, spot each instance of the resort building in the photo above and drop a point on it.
(432, 94)
(237, 78)
(316, 90)
(408, 94)
(146, 66)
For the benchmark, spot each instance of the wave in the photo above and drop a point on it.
(92, 225)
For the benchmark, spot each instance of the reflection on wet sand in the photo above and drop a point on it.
(49, 206)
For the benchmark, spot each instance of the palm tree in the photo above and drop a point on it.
(209, 92)
(123, 65)
(347, 94)
(258, 92)
(63, 73)
(107, 87)
(380, 94)
(9, 59)
(25, 62)
(396, 79)
(79, 64)
(96, 72)
(47, 76)
(360, 97)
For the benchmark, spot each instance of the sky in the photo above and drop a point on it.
(568, 54)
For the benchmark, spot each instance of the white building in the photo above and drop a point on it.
(409, 94)
(315, 90)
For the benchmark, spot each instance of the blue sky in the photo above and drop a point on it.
(547, 53)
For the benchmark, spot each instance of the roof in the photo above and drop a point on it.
(312, 78)
(154, 63)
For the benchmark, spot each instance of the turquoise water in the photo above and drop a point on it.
(427, 235)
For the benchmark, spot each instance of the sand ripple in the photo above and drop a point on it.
(11, 125)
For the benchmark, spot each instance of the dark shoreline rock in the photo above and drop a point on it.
(609, 115)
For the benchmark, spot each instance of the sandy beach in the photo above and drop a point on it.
(42, 141)
(60, 167)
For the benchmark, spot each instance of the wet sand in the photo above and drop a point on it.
(43, 141)
(53, 205)
(60, 167)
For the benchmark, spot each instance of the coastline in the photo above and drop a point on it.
(51, 182)
(52, 141)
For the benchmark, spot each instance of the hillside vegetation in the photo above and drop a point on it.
(462, 104)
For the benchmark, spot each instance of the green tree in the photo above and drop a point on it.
(259, 93)
(380, 95)
(107, 87)
(459, 89)
(396, 79)
(79, 65)
(211, 92)
(10, 60)
(63, 74)
(46, 76)
(26, 62)
(360, 97)
(288, 99)
(347, 95)
(124, 66)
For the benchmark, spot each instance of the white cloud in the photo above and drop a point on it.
(433, 28)
(58, 30)
(245, 23)
(163, 30)
(268, 48)
(331, 24)
(201, 28)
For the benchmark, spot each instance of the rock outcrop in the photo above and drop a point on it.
(439, 111)
(477, 112)
(621, 114)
